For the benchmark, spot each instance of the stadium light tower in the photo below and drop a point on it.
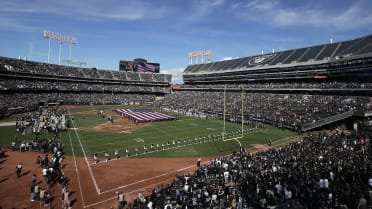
(200, 54)
(60, 38)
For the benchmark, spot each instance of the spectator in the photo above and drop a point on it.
(19, 169)
(107, 156)
(278, 177)
(121, 200)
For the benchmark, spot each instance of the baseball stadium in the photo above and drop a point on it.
(287, 129)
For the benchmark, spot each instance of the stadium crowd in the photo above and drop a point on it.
(36, 68)
(50, 160)
(64, 86)
(101, 87)
(288, 110)
(24, 102)
(52, 172)
(26, 83)
(52, 120)
(287, 85)
(325, 170)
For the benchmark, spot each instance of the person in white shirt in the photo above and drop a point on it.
(66, 200)
(168, 205)
(22, 147)
(45, 172)
(19, 169)
(141, 196)
(121, 200)
(117, 154)
(107, 156)
(226, 176)
(149, 205)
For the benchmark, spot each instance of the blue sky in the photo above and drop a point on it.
(165, 31)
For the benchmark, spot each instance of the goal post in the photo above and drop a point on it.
(242, 118)
(224, 118)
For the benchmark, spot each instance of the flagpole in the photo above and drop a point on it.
(224, 114)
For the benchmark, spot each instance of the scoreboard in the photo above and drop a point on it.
(126, 65)
(139, 65)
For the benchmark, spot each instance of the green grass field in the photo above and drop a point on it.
(187, 137)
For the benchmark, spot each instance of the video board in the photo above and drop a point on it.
(139, 66)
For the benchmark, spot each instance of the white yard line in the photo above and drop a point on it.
(86, 159)
(10, 123)
(77, 171)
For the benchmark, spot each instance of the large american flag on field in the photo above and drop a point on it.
(142, 115)
(144, 67)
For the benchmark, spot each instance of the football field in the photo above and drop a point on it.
(184, 137)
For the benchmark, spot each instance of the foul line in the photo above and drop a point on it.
(76, 169)
(85, 158)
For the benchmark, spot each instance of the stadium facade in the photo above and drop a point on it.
(327, 61)
(341, 71)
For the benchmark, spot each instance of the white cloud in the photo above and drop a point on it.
(261, 5)
(356, 16)
(176, 74)
(119, 10)
(13, 16)
(201, 10)
(211, 3)
(277, 14)
(13, 24)
(217, 2)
